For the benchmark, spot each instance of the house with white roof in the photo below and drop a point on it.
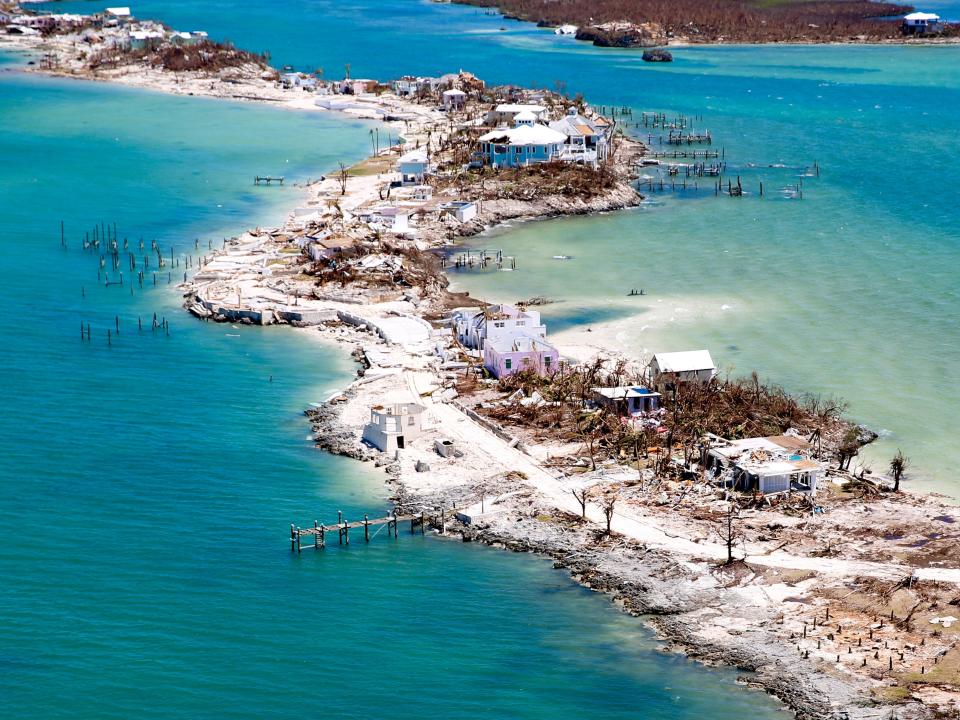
(188, 38)
(522, 145)
(454, 99)
(668, 369)
(626, 401)
(473, 326)
(921, 23)
(413, 167)
(387, 217)
(117, 15)
(506, 113)
(462, 210)
(768, 465)
(140, 39)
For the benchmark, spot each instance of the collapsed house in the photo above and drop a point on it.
(768, 465)
(626, 401)
(502, 357)
(473, 326)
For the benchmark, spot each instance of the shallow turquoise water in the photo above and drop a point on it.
(147, 485)
(850, 292)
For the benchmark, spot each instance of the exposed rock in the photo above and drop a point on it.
(865, 435)
(621, 36)
(657, 55)
(335, 437)
(535, 301)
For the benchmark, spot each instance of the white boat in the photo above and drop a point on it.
(566, 30)
(563, 257)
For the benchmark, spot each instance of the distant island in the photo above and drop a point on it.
(648, 23)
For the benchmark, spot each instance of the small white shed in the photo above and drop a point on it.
(462, 210)
(688, 366)
(392, 427)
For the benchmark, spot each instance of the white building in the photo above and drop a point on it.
(392, 427)
(387, 217)
(21, 30)
(409, 86)
(462, 210)
(506, 114)
(921, 23)
(521, 145)
(117, 15)
(626, 401)
(413, 167)
(689, 366)
(500, 323)
(140, 39)
(454, 99)
(768, 465)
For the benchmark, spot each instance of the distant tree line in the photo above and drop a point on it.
(715, 20)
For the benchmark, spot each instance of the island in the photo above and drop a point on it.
(648, 23)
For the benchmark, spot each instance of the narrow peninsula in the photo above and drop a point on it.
(727, 512)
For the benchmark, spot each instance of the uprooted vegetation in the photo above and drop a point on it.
(560, 408)
(206, 56)
(697, 21)
(534, 181)
(379, 265)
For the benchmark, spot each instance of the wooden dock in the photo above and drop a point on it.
(317, 535)
(267, 179)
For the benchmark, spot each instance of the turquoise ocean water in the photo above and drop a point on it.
(147, 485)
(850, 292)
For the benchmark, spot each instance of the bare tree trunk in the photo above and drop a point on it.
(608, 512)
(581, 497)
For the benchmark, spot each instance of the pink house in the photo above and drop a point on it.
(510, 355)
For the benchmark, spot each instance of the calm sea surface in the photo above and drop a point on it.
(147, 485)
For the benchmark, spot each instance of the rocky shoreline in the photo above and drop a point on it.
(647, 583)
(657, 564)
